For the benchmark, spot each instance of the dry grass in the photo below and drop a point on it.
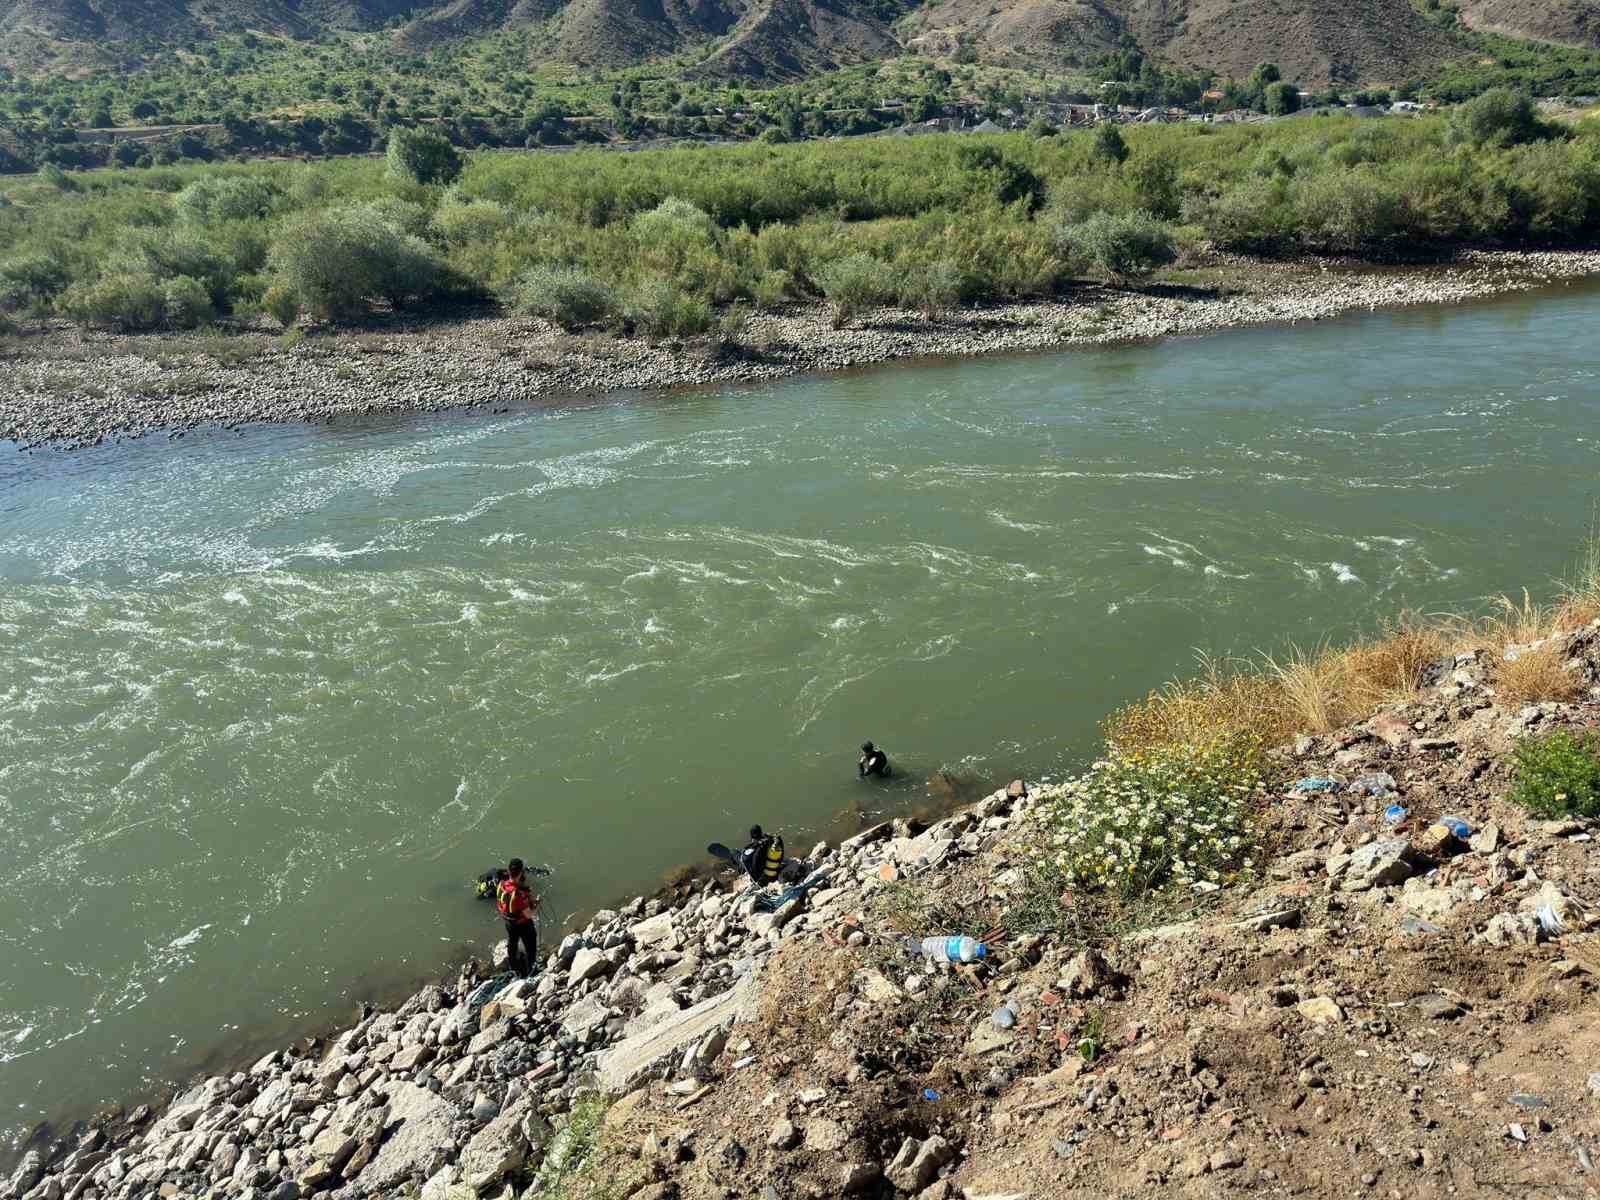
(1322, 688)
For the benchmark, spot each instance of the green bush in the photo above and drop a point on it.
(422, 156)
(1345, 211)
(185, 303)
(1109, 144)
(1125, 246)
(1499, 117)
(932, 289)
(125, 300)
(214, 199)
(465, 222)
(566, 295)
(1559, 775)
(337, 261)
(659, 309)
(1171, 814)
(854, 283)
(31, 280)
(1282, 98)
(771, 289)
(281, 304)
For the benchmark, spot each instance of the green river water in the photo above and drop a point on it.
(268, 702)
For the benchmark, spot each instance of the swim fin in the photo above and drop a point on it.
(718, 850)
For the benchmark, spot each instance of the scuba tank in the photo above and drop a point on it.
(772, 861)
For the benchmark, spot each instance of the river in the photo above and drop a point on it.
(270, 700)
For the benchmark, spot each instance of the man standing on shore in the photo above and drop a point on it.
(519, 906)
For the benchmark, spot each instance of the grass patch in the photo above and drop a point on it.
(1559, 775)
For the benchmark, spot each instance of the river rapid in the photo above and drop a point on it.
(270, 700)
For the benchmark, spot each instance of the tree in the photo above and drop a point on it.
(1109, 144)
(422, 156)
(1282, 99)
(1264, 74)
(1499, 117)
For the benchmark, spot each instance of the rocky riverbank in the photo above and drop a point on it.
(72, 388)
(1392, 1007)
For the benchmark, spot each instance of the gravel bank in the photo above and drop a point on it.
(71, 388)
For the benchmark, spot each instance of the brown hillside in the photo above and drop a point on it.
(39, 34)
(617, 32)
(1564, 22)
(1312, 42)
(782, 39)
(468, 18)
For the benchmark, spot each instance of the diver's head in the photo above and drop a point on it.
(755, 832)
(867, 747)
(514, 867)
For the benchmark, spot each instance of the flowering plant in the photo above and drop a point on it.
(1140, 819)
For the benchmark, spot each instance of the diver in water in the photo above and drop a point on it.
(763, 856)
(872, 762)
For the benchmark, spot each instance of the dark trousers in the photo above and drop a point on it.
(528, 934)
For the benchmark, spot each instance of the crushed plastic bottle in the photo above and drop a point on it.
(1395, 813)
(1378, 784)
(1457, 826)
(953, 949)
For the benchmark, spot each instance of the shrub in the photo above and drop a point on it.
(1558, 776)
(566, 295)
(57, 178)
(932, 289)
(730, 326)
(659, 309)
(1254, 216)
(1498, 117)
(772, 136)
(853, 283)
(1109, 145)
(281, 304)
(771, 289)
(1345, 211)
(672, 233)
(123, 300)
(1122, 246)
(1282, 98)
(461, 223)
(212, 200)
(186, 303)
(336, 261)
(1155, 184)
(1141, 819)
(422, 156)
(30, 280)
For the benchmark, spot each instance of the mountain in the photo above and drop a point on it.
(1314, 42)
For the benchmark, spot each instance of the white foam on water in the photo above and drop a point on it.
(469, 614)
(236, 597)
(1343, 573)
(1167, 553)
(1000, 518)
(188, 939)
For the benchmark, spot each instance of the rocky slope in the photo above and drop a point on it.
(1391, 1010)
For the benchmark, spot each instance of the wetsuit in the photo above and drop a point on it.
(757, 860)
(875, 763)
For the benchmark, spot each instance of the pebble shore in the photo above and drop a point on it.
(72, 388)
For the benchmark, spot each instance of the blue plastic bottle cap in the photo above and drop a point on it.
(1394, 814)
(929, 1094)
(981, 952)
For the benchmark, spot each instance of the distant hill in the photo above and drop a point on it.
(1314, 42)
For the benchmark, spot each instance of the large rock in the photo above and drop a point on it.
(917, 1163)
(1383, 863)
(588, 964)
(496, 1150)
(657, 931)
(586, 1014)
(637, 1059)
(418, 1140)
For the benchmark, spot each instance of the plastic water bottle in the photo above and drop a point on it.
(1394, 814)
(1457, 826)
(953, 949)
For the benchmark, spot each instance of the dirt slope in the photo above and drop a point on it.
(1313, 42)
(1564, 22)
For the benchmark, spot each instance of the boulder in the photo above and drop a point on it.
(916, 1163)
(1086, 975)
(498, 1149)
(1320, 1010)
(418, 1141)
(587, 1014)
(643, 1055)
(588, 964)
(1382, 863)
(657, 931)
